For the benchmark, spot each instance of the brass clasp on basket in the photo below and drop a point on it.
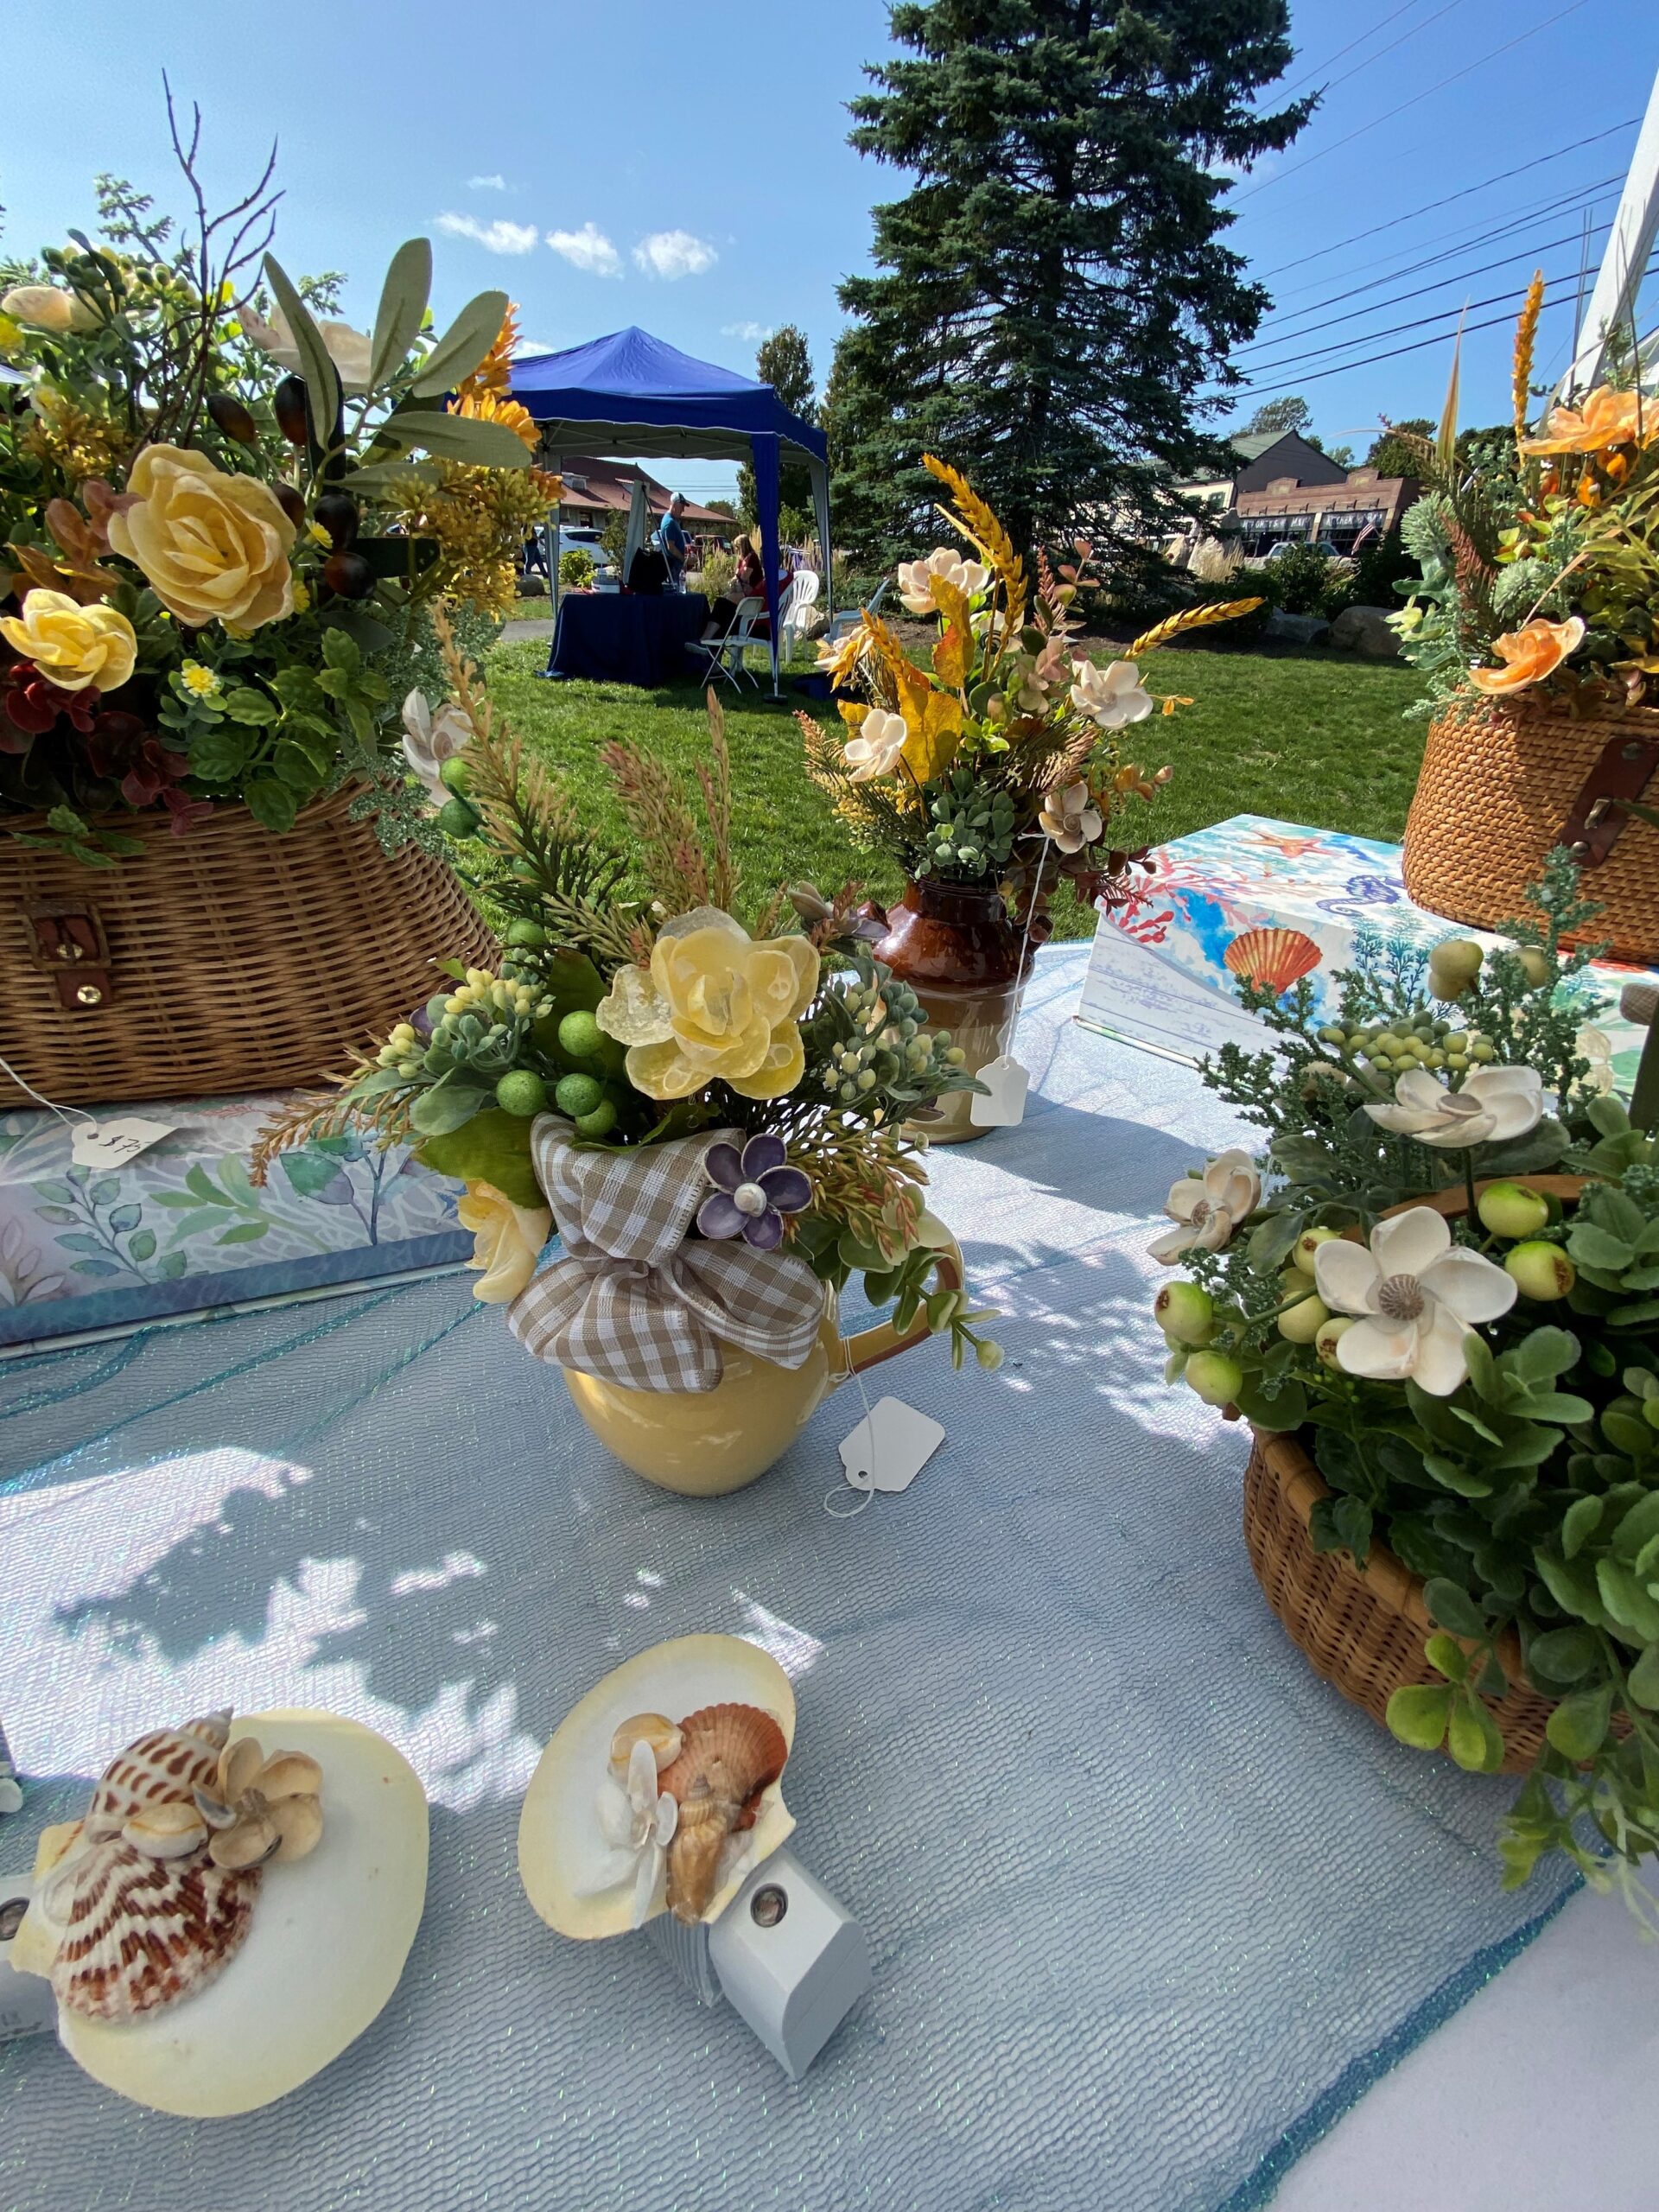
(70, 942)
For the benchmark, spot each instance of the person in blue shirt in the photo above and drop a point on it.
(671, 537)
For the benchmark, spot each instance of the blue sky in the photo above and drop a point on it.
(687, 168)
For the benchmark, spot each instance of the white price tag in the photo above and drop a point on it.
(1006, 1083)
(890, 1446)
(112, 1144)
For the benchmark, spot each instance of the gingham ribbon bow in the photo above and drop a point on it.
(629, 1300)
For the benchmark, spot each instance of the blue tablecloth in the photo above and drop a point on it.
(1149, 1905)
(621, 637)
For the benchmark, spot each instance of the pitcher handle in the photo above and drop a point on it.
(871, 1346)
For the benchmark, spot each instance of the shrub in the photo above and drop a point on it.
(718, 569)
(576, 570)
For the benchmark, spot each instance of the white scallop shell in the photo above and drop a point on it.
(562, 1854)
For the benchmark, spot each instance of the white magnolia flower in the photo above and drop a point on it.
(638, 1821)
(1112, 695)
(875, 752)
(430, 739)
(1209, 1207)
(1493, 1105)
(1597, 1046)
(351, 351)
(916, 578)
(1071, 819)
(1416, 1297)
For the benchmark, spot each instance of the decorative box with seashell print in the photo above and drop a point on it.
(225, 1918)
(658, 1804)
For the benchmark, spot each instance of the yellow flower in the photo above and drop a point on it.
(507, 1240)
(1609, 418)
(44, 307)
(301, 596)
(213, 546)
(1529, 654)
(714, 1005)
(202, 682)
(73, 646)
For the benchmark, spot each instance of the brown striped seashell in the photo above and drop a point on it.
(144, 1932)
(1273, 959)
(729, 1755)
(160, 1768)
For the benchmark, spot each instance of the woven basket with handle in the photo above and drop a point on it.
(1502, 783)
(225, 960)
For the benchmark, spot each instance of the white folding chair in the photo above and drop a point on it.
(725, 656)
(849, 617)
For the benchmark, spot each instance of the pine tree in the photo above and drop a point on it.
(1291, 412)
(1054, 288)
(784, 361)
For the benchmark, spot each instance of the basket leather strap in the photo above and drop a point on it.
(1623, 770)
(70, 944)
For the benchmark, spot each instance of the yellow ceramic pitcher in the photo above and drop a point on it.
(703, 1443)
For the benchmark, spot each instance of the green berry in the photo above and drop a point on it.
(1458, 1063)
(1537, 967)
(1186, 1313)
(1482, 1054)
(1216, 1376)
(1458, 961)
(531, 935)
(1542, 1272)
(1307, 1244)
(600, 1123)
(458, 817)
(1327, 1335)
(454, 775)
(1332, 1035)
(577, 1095)
(580, 1035)
(521, 1092)
(989, 1355)
(1511, 1209)
(1300, 1323)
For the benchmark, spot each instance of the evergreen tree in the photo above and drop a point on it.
(785, 362)
(1291, 412)
(1053, 290)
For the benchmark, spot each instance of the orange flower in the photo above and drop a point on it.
(1529, 654)
(1609, 418)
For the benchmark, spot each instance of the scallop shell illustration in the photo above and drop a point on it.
(729, 1754)
(562, 1853)
(1275, 959)
(325, 1951)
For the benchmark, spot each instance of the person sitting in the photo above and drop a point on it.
(671, 537)
(748, 581)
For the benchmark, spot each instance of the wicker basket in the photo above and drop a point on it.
(225, 960)
(1363, 1631)
(1498, 788)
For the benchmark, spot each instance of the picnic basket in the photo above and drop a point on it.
(222, 961)
(1502, 783)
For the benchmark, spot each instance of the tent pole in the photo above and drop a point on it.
(550, 536)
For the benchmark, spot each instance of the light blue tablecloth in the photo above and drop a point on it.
(1148, 1905)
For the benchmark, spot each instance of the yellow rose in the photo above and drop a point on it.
(42, 307)
(714, 1005)
(507, 1240)
(214, 547)
(73, 646)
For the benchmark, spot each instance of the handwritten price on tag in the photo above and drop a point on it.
(112, 1144)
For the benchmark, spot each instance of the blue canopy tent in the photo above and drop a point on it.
(630, 394)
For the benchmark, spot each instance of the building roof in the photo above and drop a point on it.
(1251, 445)
(609, 484)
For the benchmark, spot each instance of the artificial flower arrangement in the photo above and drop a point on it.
(998, 764)
(218, 530)
(715, 1107)
(1538, 555)
(1472, 1357)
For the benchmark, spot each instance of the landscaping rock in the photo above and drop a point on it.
(1297, 629)
(814, 622)
(1365, 630)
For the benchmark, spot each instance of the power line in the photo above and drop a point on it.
(1581, 196)
(1399, 299)
(1382, 50)
(1398, 329)
(1404, 9)
(1440, 85)
(1433, 207)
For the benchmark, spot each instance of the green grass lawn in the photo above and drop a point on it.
(1317, 739)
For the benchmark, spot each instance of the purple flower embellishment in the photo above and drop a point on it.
(753, 1190)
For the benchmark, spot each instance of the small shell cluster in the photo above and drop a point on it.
(716, 1764)
(156, 1892)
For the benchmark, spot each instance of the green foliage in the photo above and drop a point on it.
(784, 361)
(1291, 412)
(1528, 1497)
(1052, 287)
(576, 570)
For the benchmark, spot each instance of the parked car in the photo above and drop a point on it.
(1292, 544)
(573, 537)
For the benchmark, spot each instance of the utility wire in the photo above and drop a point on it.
(1318, 71)
(1399, 299)
(1440, 85)
(1382, 50)
(1398, 329)
(1282, 267)
(1581, 197)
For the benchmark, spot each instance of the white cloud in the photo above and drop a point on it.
(671, 254)
(587, 248)
(487, 184)
(752, 331)
(500, 236)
